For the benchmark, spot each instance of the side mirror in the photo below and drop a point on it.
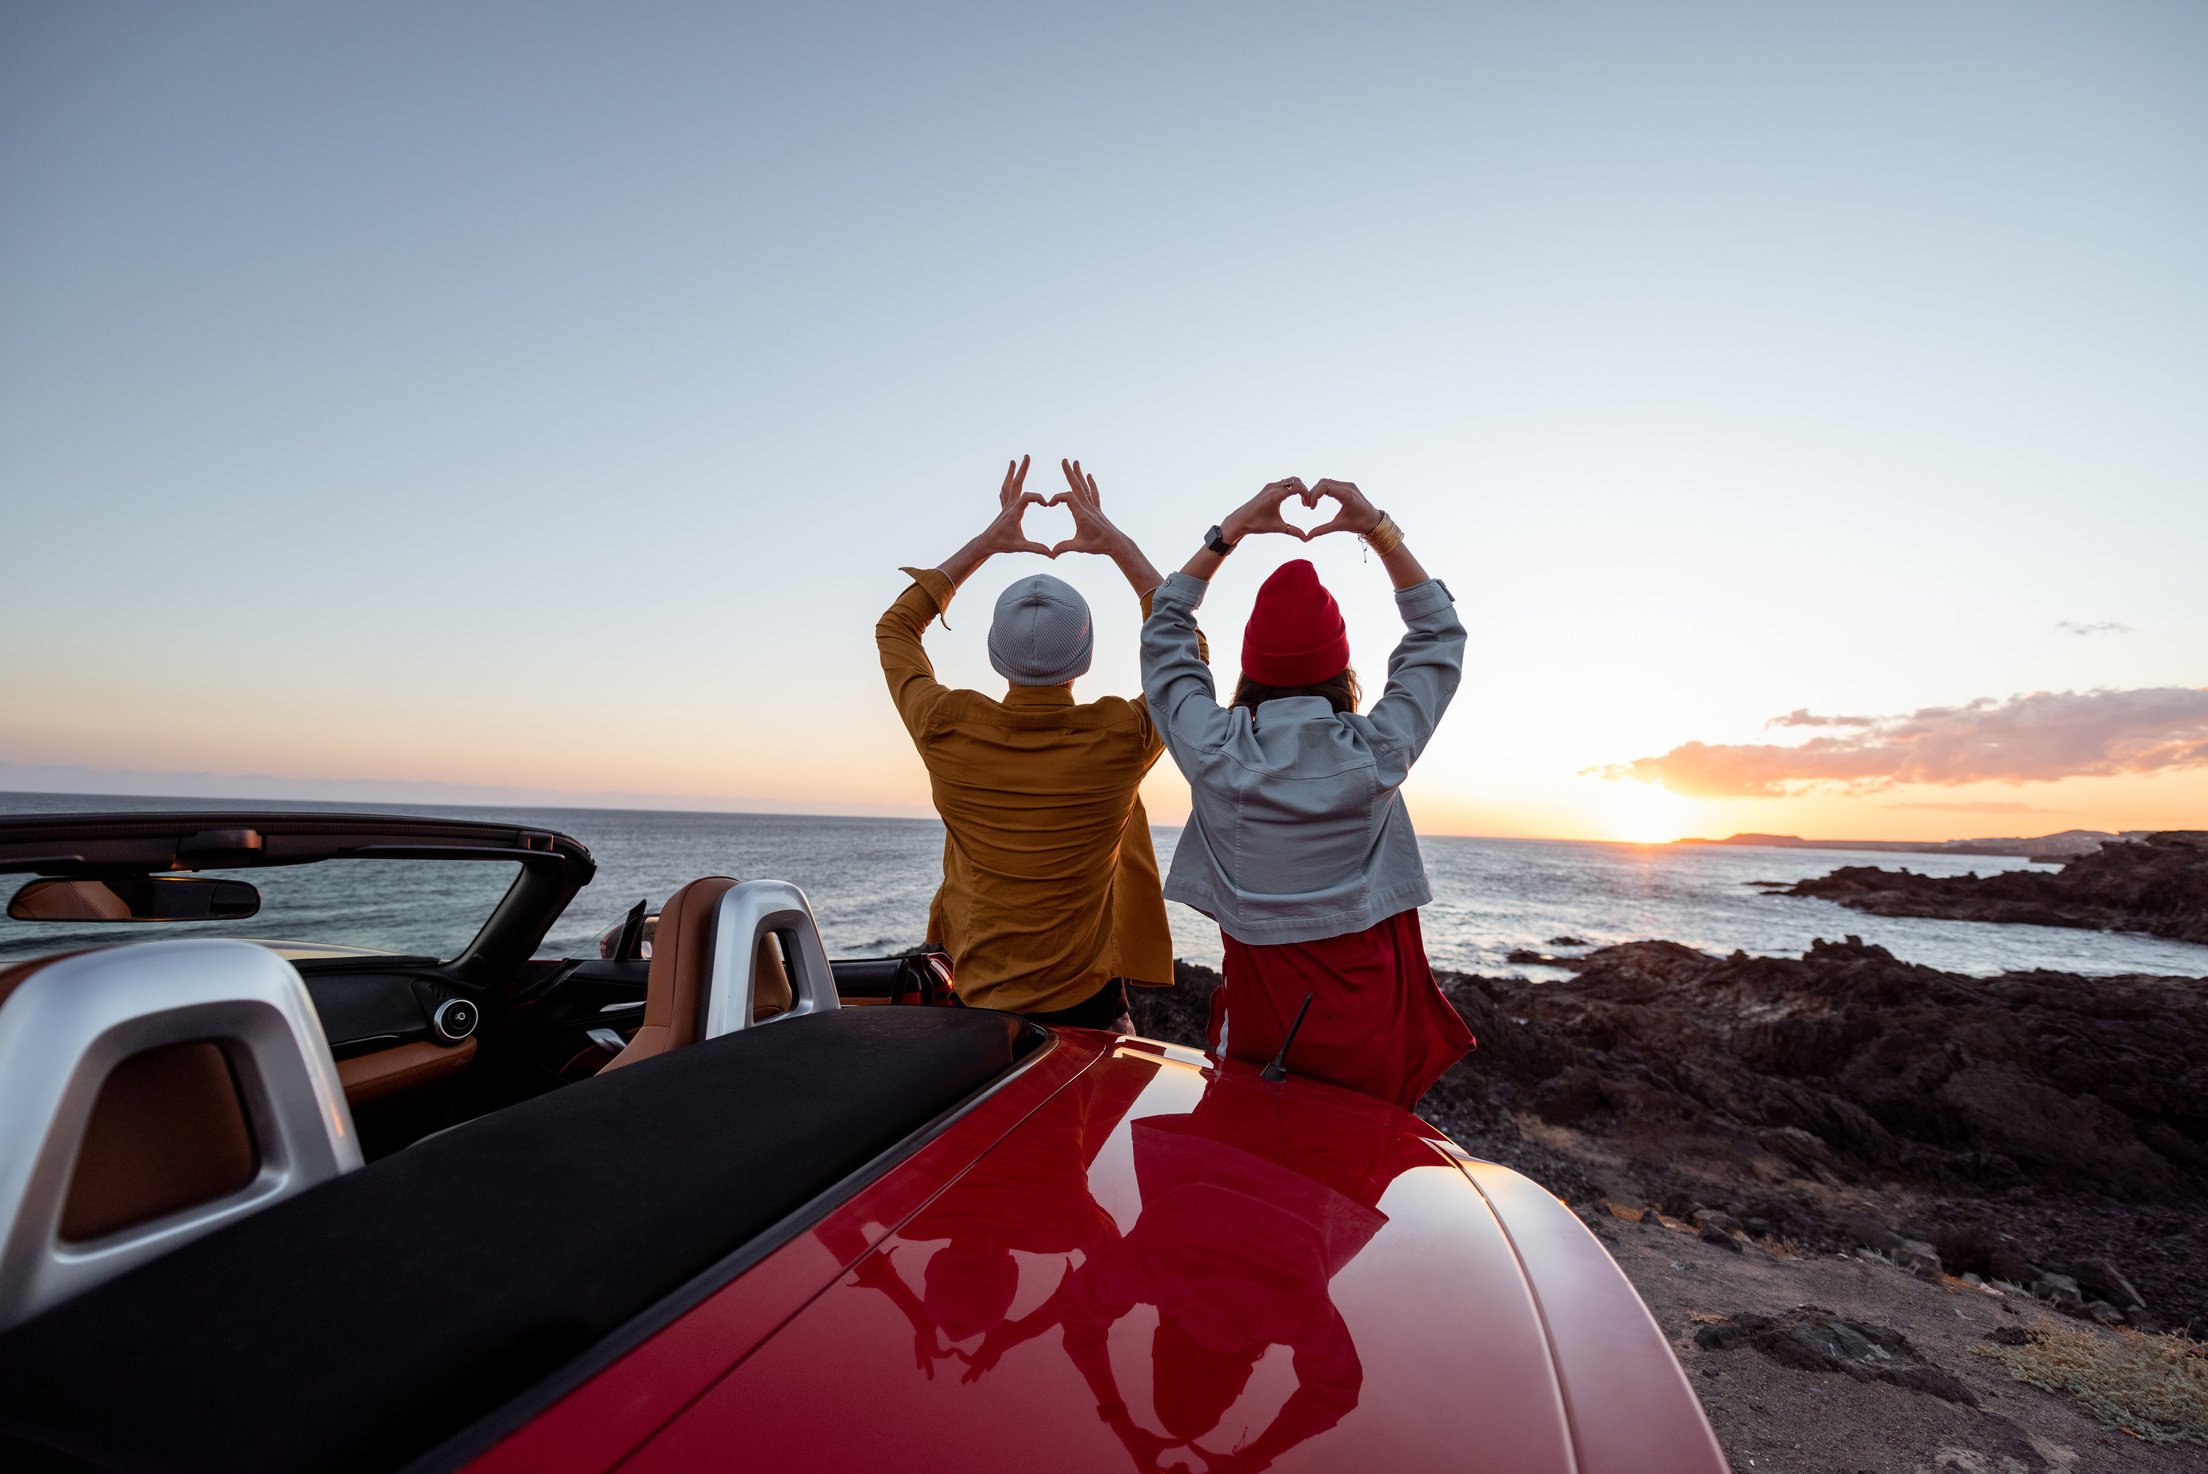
(630, 938)
(136, 898)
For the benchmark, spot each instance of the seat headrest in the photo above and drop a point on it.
(682, 964)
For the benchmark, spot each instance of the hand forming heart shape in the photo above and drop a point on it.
(1352, 512)
(1093, 532)
(1267, 511)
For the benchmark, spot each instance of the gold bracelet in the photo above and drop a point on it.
(1385, 536)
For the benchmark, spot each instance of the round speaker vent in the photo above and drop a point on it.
(454, 1020)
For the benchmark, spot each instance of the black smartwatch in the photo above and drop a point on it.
(1216, 540)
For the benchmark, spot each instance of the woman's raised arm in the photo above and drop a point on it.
(1376, 527)
(1428, 662)
(1261, 513)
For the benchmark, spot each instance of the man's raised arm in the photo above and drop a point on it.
(1093, 532)
(897, 634)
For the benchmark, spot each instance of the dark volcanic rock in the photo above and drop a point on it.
(1177, 1014)
(2158, 885)
(1919, 1258)
(2104, 1280)
(1853, 1063)
(1813, 1339)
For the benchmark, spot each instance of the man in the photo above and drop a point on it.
(1050, 901)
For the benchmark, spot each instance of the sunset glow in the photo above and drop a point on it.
(1788, 473)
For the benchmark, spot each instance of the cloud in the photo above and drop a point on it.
(1985, 808)
(1802, 716)
(2104, 627)
(2036, 738)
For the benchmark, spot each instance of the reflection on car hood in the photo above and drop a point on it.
(1169, 1264)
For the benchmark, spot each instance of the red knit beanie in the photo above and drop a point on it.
(1295, 636)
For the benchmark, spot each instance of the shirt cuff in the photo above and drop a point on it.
(1181, 591)
(1420, 599)
(935, 583)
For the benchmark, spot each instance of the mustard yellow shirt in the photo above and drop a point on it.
(1050, 885)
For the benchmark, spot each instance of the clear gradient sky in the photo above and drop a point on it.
(506, 401)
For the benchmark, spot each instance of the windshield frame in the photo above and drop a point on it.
(553, 866)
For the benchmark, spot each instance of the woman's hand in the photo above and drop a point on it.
(1356, 515)
(1004, 533)
(1093, 532)
(1261, 513)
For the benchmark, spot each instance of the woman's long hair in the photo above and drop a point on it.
(1340, 692)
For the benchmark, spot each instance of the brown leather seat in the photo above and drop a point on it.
(682, 968)
(168, 1132)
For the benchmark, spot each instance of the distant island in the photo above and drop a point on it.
(2068, 845)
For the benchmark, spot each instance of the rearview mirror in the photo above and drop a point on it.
(136, 898)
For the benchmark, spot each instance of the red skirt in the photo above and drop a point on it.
(1378, 1021)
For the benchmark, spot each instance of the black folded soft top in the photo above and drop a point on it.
(380, 1316)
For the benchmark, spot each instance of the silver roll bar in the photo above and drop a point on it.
(744, 917)
(62, 1032)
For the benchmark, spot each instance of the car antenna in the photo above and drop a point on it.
(1278, 1069)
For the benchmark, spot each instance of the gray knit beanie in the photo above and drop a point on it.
(1040, 636)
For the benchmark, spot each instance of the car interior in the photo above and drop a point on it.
(233, 1168)
(422, 1043)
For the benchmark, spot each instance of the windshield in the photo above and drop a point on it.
(414, 908)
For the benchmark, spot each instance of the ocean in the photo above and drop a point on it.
(869, 881)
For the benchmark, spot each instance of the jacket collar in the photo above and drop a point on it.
(1034, 696)
(1296, 708)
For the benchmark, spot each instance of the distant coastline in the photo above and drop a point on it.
(2157, 884)
(2067, 845)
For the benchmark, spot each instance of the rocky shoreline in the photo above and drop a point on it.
(2157, 884)
(2038, 1129)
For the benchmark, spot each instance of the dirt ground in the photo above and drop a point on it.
(1776, 1419)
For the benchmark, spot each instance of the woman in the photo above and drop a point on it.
(1297, 842)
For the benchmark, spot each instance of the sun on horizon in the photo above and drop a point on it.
(1644, 813)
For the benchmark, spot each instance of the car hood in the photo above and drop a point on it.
(1173, 1264)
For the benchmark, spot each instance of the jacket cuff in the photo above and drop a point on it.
(1181, 591)
(935, 583)
(1420, 599)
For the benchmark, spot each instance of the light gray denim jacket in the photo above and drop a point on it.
(1297, 830)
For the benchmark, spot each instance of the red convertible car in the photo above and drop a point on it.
(333, 1205)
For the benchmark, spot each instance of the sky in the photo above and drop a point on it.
(1807, 406)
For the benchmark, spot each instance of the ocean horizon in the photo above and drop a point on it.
(870, 880)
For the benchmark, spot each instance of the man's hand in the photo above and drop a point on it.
(1093, 532)
(1355, 515)
(1261, 513)
(927, 1346)
(1004, 533)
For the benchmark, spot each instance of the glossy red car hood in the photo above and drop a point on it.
(1168, 1265)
